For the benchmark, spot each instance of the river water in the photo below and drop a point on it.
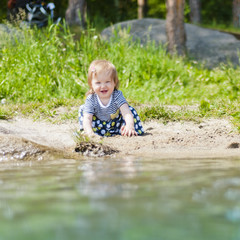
(120, 199)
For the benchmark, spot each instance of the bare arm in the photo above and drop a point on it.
(128, 129)
(87, 124)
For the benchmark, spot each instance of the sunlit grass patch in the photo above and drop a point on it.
(43, 74)
(169, 113)
(55, 111)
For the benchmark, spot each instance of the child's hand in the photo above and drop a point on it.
(96, 138)
(128, 131)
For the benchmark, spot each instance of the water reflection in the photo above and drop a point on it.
(94, 181)
(127, 198)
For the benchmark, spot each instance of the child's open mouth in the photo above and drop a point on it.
(104, 91)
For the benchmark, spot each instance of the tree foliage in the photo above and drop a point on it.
(216, 11)
(105, 12)
(157, 8)
(109, 11)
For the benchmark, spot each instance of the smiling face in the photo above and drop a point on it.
(103, 85)
(102, 72)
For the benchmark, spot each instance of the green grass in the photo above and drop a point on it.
(222, 27)
(44, 70)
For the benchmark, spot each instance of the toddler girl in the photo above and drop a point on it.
(106, 111)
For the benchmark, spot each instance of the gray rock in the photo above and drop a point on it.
(209, 47)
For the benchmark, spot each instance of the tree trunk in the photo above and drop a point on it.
(195, 11)
(176, 36)
(142, 8)
(76, 12)
(236, 13)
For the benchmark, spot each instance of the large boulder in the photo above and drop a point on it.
(210, 47)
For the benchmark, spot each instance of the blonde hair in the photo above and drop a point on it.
(99, 66)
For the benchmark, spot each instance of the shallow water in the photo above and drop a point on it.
(118, 199)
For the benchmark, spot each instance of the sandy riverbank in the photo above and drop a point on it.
(213, 138)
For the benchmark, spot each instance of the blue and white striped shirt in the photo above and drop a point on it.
(94, 106)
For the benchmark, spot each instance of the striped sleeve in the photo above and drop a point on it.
(89, 105)
(119, 99)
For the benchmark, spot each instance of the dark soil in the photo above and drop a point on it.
(92, 149)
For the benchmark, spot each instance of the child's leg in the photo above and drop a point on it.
(137, 123)
(102, 128)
